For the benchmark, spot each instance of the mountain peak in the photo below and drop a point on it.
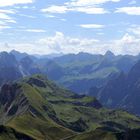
(4, 52)
(109, 53)
(7, 59)
(84, 53)
(14, 51)
(18, 54)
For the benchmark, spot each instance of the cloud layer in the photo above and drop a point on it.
(93, 26)
(84, 6)
(129, 10)
(14, 2)
(60, 43)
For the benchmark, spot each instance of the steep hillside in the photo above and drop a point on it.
(122, 92)
(37, 108)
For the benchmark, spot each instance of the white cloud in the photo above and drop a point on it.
(35, 30)
(5, 18)
(2, 27)
(14, 2)
(54, 44)
(129, 10)
(66, 44)
(27, 16)
(128, 39)
(90, 26)
(91, 10)
(10, 21)
(4, 14)
(127, 44)
(90, 2)
(135, 29)
(7, 11)
(56, 9)
(19, 7)
(50, 16)
(64, 9)
(84, 6)
(22, 47)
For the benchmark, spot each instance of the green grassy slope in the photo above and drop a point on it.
(38, 108)
(101, 134)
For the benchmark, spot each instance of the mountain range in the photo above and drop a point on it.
(113, 80)
(34, 108)
(77, 72)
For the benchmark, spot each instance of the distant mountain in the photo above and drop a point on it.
(77, 72)
(83, 70)
(131, 101)
(12, 69)
(8, 68)
(35, 108)
(18, 55)
(53, 55)
(109, 54)
(53, 70)
(122, 92)
(48, 56)
(7, 60)
(72, 58)
(29, 66)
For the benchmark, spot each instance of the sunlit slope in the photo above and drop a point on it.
(39, 109)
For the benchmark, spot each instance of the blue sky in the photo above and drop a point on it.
(70, 26)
